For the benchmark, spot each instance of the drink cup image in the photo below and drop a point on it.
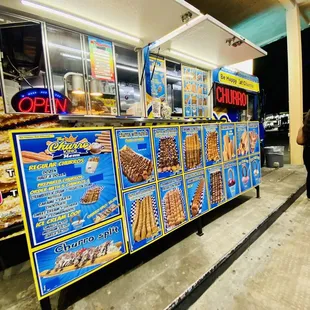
(95, 148)
(92, 164)
(77, 222)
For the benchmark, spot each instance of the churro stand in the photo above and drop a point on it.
(102, 157)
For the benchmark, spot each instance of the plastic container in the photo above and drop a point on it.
(274, 156)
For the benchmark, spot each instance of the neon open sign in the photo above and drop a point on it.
(230, 96)
(36, 100)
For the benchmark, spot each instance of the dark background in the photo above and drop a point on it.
(272, 71)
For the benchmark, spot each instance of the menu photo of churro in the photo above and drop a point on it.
(242, 139)
(215, 185)
(254, 140)
(135, 156)
(167, 150)
(228, 134)
(191, 147)
(143, 216)
(173, 204)
(212, 144)
(195, 184)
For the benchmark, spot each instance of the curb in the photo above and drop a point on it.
(193, 293)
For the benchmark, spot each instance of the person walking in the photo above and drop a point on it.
(303, 138)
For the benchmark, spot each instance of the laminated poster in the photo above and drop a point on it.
(215, 186)
(242, 139)
(158, 82)
(101, 59)
(228, 134)
(173, 203)
(195, 183)
(69, 260)
(245, 174)
(68, 180)
(211, 135)
(192, 147)
(167, 151)
(135, 156)
(256, 169)
(253, 128)
(143, 216)
(232, 185)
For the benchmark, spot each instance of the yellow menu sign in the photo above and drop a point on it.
(237, 81)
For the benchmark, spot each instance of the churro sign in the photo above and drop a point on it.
(68, 144)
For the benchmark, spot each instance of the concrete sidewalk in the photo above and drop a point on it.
(159, 282)
(274, 273)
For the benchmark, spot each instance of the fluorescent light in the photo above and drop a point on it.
(1, 20)
(127, 68)
(66, 48)
(171, 77)
(70, 56)
(80, 20)
(191, 58)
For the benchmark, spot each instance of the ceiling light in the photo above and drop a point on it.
(80, 20)
(127, 68)
(191, 58)
(72, 56)
(171, 77)
(66, 48)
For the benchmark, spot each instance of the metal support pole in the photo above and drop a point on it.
(45, 303)
(257, 192)
(199, 227)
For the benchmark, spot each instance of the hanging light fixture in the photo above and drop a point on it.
(77, 85)
(95, 88)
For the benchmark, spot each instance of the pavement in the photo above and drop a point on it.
(159, 276)
(274, 273)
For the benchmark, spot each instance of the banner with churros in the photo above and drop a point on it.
(68, 179)
(244, 174)
(134, 149)
(167, 151)
(195, 184)
(60, 264)
(191, 147)
(215, 186)
(232, 184)
(173, 203)
(211, 134)
(143, 216)
(256, 172)
(253, 128)
(228, 134)
(242, 139)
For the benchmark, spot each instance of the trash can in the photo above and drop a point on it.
(274, 156)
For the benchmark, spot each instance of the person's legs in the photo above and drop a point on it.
(307, 164)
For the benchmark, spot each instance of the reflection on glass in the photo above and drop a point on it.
(67, 67)
(23, 61)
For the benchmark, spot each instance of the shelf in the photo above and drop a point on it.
(124, 119)
(207, 43)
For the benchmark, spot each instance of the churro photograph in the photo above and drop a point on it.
(167, 151)
(143, 216)
(195, 184)
(242, 139)
(173, 204)
(191, 147)
(228, 134)
(253, 128)
(215, 186)
(211, 134)
(135, 157)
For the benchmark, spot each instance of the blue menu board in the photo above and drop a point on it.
(215, 185)
(68, 180)
(195, 183)
(211, 134)
(244, 174)
(253, 128)
(256, 169)
(62, 263)
(134, 151)
(143, 216)
(242, 139)
(167, 151)
(232, 185)
(228, 134)
(191, 147)
(173, 203)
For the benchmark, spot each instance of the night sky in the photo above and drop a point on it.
(272, 72)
